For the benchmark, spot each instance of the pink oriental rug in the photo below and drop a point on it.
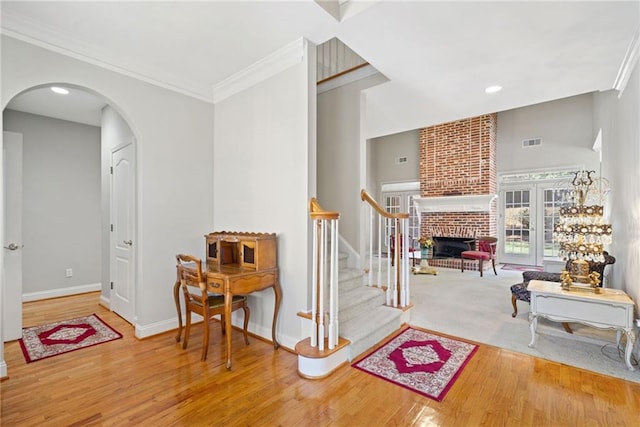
(40, 342)
(420, 361)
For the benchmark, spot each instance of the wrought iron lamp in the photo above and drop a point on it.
(582, 233)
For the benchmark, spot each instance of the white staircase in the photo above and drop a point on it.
(364, 319)
(349, 314)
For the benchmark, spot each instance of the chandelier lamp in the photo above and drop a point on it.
(581, 231)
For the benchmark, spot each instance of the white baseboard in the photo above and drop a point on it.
(61, 292)
(105, 302)
(3, 369)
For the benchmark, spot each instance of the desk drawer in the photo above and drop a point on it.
(215, 285)
(593, 311)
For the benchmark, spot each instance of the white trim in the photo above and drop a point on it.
(320, 367)
(353, 258)
(61, 292)
(628, 63)
(27, 30)
(3, 369)
(473, 203)
(269, 66)
(400, 186)
(345, 79)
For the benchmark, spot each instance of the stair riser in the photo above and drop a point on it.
(361, 308)
(375, 334)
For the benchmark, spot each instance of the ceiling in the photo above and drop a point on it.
(438, 56)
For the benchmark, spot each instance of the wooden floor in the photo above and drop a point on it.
(154, 382)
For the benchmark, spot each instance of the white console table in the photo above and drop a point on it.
(609, 309)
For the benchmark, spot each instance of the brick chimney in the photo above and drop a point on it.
(459, 159)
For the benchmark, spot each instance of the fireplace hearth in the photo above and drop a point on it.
(450, 247)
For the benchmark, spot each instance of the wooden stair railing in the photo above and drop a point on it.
(324, 299)
(397, 287)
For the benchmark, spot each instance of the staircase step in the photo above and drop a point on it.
(357, 301)
(368, 329)
(350, 278)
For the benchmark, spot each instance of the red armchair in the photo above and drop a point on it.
(485, 251)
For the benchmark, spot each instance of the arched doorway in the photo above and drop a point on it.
(69, 142)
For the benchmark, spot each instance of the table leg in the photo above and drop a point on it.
(533, 324)
(276, 309)
(228, 301)
(176, 297)
(631, 339)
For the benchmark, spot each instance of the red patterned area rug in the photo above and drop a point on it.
(40, 342)
(420, 361)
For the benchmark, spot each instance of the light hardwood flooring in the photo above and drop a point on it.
(153, 382)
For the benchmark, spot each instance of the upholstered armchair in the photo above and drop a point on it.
(486, 250)
(519, 291)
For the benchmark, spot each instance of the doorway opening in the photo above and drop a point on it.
(64, 242)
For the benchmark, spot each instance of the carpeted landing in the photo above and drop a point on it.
(479, 309)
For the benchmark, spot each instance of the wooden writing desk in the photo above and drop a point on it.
(238, 264)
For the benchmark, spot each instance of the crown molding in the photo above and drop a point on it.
(51, 38)
(269, 66)
(628, 63)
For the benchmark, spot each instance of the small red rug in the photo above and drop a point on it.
(517, 267)
(419, 361)
(40, 342)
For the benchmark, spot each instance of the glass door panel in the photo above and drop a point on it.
(553, 200)
(518, 231)
(397, 202)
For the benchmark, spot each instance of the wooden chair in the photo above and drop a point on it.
(199, 300)
(485, 250)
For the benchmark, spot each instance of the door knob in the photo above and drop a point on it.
(13, 246)
(128, 242)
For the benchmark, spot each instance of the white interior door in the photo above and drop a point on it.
(122, 233)
(12, 252)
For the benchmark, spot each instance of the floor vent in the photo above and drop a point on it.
(531, 142)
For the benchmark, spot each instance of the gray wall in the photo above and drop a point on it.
(61, 211)
(174, 153)
(566, 129)
(262, 182)
(385, 151)
(618, 118)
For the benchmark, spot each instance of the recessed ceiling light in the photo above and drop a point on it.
(60, 90)
(493, 89)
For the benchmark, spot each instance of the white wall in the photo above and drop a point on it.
(566, 129)
(61, 211)
(262, 149)
(339, 139)
(621, 157)
(174, 136)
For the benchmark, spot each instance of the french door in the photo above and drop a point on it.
(402, 201)
(528, 215)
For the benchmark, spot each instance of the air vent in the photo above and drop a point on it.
(400, 160)
(531, 142)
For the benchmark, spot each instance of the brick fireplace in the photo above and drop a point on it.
(458, 180)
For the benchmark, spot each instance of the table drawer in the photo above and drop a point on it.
(592, 311)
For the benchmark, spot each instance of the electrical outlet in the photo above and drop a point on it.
(69, 272)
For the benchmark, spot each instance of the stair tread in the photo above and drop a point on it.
(360, 326)
(354, 296)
